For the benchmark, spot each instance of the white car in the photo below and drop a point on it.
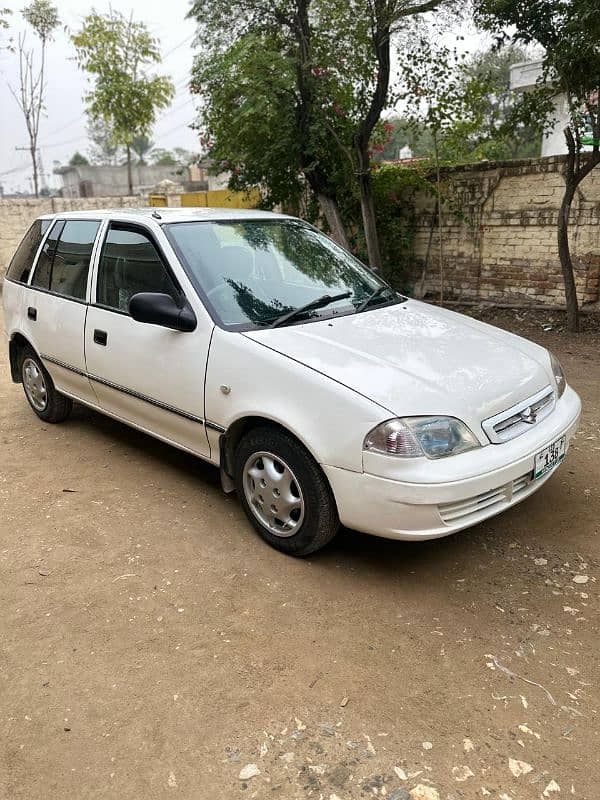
(253, 341)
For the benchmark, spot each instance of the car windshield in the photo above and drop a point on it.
(252, 272)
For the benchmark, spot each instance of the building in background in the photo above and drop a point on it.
(105, 181)
(523, 78)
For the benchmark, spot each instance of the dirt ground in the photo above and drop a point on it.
(153, 647)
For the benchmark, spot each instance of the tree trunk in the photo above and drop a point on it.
(367, 207)
(439, 215)
(331, 212)
(129, 173)
(564, 254)
(36, 180)
(575, 173)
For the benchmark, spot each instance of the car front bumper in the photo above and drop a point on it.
(405, 509)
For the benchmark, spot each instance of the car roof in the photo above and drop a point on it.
(161, 215)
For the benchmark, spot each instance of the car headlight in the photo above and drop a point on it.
(559, 375)
(411, 437)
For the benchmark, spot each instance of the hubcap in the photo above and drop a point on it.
(273, 494)
(35, 385)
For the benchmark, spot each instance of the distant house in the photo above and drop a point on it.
(523, 78)
(206, 171)
(100, 181)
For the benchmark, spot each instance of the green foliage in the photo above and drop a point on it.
(441, 96)
(179, 157)
(249, 124)
(78, 160)
(255, 124)
(141, 145)
(104, 151)
(569, 32)
(394, 188)
(118, 52)
(292, 91)
(505, 131)
(399, 132)
(43, 18)
(163, 158)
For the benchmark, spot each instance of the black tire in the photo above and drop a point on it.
(320, 522)
(57, 407)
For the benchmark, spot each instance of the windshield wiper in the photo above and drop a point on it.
(320, 302)
(373, 296)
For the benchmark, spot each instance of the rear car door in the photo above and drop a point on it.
(148, 375)
(55, 304)
(17, 276)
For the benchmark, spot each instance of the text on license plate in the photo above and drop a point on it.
(549, 457)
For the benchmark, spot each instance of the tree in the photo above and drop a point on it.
(502, 133)
(104, 152)
(163, 158)
(569, 32)
(78, 160)
(320, 72)
(444, 99)
(368, 27)
(42, 16)
(118, 53)
(178, 157)
(258, 77)
(402, 132)
(141, 145)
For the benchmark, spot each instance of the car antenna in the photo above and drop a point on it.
(156, 215)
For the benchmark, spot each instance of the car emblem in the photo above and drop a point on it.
(528, 415)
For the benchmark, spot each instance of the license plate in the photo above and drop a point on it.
(549, 457)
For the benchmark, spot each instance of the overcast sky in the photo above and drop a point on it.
(62, 130)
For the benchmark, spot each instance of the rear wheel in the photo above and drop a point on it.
(284, 492)
(45, 400)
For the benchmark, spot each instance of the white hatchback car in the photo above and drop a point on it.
(251, 340)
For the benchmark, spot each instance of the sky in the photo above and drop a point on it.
(62, 129)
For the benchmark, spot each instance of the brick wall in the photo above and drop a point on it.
(500, 239)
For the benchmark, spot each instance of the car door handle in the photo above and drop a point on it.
(100, 337)
(32, 313)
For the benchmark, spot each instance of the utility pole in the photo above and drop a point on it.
(38, 166)
(35, 168)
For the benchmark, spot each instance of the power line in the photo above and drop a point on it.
(177, 46)
(16, 169)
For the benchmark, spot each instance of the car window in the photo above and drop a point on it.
(72, 258)
(250, 272)
(43, 269)
(129, 264)
(21, 262)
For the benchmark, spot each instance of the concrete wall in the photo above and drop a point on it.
(97, 181)
(500, 243)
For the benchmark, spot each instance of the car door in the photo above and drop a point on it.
(145, 374)
(56, 303)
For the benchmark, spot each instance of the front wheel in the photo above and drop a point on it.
(49, 404)
(284, 492)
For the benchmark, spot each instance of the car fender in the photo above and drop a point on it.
(246, 379)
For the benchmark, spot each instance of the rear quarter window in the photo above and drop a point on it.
(22, 261)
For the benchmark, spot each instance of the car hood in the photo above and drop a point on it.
(415, 359)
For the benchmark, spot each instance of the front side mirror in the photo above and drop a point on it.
(160, 309)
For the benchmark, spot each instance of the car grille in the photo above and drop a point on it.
(485, 504)
(520, 418)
